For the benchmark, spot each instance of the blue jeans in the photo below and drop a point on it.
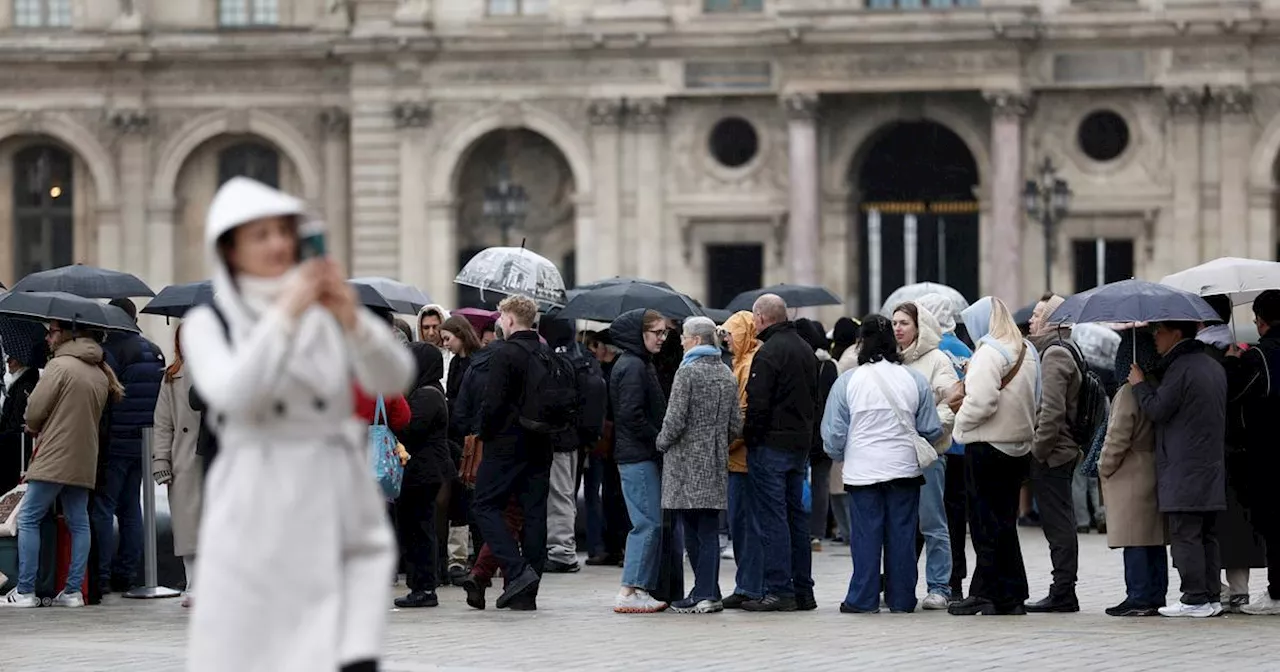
(592, 482)
(1146, 575)
(119, 496)
(884, 518)
(75, 510)
(746, 545)
(933, 525)
(702, 543)
(782, 524)
(642, 490)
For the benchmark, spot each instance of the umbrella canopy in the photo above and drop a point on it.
(23, 340)
(1023, 316)
(64, 307)
(86, 281)
(796, 296)
(176, 300)
(1241, 279)
(619, 280)
(717, 315)
(912, 292)
(478, 317)
(514, 270)
(607, 303)
(389, 294)
(1134, 301)
(1098, 344)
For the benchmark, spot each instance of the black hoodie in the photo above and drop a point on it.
(426, 437)
(638, 403)
(782, 394)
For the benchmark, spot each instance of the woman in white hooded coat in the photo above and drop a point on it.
(295, 548)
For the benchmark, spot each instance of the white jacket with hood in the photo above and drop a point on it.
(924, 356)
(295, 549)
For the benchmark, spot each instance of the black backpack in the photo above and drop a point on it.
(1092, 403)
(551, 403)
(593, 394)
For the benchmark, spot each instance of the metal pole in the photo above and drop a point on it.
(1048, 249)
(151, 589)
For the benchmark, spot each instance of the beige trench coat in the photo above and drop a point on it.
(176, 429)
(1128, 472)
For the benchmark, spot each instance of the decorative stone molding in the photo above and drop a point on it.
(334, 120)
(1233, 100)
(411, 115)
(648, 113)
(801, 106)
(605, 112)
(130, 122)
(1014, 104)
(1185, 101)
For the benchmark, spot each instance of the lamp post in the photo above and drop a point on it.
(1047, 199)
(506, 203)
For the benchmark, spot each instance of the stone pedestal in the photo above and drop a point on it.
(1003, 246)
(647, 116)
(803, 229)
(1182, 244)
(598, 250)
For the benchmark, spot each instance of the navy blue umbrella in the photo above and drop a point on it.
(1134, 301)
(176, 300)
(23, 340)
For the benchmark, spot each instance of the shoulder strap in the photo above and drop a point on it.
(1017, 366)
(891, 398)
(380, 412)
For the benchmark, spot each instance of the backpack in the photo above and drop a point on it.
(1092, 403)
(551, 402)
(593, 394)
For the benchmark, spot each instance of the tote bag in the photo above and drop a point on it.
(926, 454)
(387, 468)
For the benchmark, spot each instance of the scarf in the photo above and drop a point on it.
(699, 351)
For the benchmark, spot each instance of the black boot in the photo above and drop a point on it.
(1058, 602)
(417, 600)
(475, 588)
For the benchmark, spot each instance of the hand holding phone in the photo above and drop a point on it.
(311, 243)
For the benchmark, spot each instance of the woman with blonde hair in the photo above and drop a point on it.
(175, 463)
(996, 421)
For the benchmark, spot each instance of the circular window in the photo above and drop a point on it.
(734, 142)
(1103, 135)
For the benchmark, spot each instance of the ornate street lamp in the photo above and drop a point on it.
(506, 203)
(1047, 199)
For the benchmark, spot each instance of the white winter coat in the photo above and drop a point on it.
(295, 548)
(924, 356)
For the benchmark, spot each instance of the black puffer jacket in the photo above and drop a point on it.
(782, 394)
(638, 403)
(426, 437)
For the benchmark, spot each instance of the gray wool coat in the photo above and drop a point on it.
(703, 418)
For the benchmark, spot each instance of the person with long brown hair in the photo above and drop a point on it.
(175, 463)
(459, 338)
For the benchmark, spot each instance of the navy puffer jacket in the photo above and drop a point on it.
(639, 405)
(139, 365)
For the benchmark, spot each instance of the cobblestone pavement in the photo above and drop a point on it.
(576, 630)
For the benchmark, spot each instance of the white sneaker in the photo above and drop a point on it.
(70, 600)
(936, 602)
(19, 601)
(639, 602)
(1217, 609)
(1263, 605)
(726, 553)
(1183, 610)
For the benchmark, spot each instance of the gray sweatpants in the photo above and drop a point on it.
(562, 509)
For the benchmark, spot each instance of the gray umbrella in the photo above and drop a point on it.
(75, 310)
(89, 282)
(1134, 301)
(607, 303)
(390, 294)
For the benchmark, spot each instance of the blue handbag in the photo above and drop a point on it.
(382, 453)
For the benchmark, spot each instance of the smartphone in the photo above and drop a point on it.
(311, 240)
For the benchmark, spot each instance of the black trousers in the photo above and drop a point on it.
(1052, 489)
(956, 502)
(820, 489)
(1196, 555)
(993, 483)
(416, 523)
(527, 476)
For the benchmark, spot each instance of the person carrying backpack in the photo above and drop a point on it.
(525, 405)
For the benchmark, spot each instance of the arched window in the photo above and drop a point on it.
(43, 216)
(249, 159)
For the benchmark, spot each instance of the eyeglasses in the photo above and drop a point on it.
(660, 333)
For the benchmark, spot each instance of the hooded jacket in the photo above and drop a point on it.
(639, 405)
(742, 334)
(444, 352)
(139, 365)
(1003, 417)
(782, 396)
(1054, 444)
(426, 437)
(64, 410)
(924, 356)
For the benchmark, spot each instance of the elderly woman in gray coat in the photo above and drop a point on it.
(702, 419)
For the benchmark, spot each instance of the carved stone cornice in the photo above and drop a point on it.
(411, 115)
(130, 121)
(334, 120)
(648, 113)
(801, 106)
(605, 112)
(1008, 104)
(1185, 101)
(1233, 100)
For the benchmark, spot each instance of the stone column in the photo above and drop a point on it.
(803, 229)
(1003, 244)
(598, 249)
(648, 117)
(1182, 245)
(336, 123)
(138, 247)
(1235, 140)
(425, 253)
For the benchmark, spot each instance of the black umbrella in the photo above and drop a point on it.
(619, 280)
(1133, 301)
(63, 307)
(1023, 316)
(86, 281)
(607, 303)
(176, 300)
(796, 296)
(717, 315)
(389, 294)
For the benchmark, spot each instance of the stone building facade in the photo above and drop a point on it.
(715, 144)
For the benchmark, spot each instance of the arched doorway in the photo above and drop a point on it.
(47, 206)
(207, 168)
(917, 213)
(499, 166)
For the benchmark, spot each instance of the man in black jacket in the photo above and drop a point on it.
(781, 404)
(516, 461)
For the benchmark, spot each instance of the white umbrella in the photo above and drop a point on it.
(912, 292)
(514, 270)
(1241, 279)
